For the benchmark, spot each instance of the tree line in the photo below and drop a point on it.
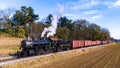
(23, 24)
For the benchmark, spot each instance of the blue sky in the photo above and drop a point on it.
(105, 13)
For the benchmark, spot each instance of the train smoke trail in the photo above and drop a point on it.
(52, 29)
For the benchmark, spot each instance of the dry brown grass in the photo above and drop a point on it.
(72, 59)
(10, 41)
(7, 50)
(9, 45)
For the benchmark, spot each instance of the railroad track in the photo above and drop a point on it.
(3, 60)
(11, 59)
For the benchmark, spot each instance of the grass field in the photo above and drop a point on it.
(100, 57)
(9, 45)
(7, 50)
(10, 41)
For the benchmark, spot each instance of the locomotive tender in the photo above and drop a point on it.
(50, 45)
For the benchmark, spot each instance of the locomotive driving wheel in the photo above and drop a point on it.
(59, 49)
(40, 51)
(24, 53)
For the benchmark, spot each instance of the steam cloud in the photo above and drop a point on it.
(52, 29)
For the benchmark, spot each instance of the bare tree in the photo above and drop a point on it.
(5, 16)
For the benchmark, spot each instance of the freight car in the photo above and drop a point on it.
(50, 45)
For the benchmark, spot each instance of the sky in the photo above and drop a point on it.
(105, 13)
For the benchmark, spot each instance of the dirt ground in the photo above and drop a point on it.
(100, 57)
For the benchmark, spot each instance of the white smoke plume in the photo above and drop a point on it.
(52, 29)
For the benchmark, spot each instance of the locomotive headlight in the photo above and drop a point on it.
(28, 43)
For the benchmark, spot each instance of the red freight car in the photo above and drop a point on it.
(78, 43)
(93, 42)
(75, 43)
(81, 43)
(88, 42)
(97, 42)
(104, 42)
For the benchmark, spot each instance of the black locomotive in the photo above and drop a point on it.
(43, 46)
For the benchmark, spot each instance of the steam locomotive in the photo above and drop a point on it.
(50, 45)
(42, 46)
